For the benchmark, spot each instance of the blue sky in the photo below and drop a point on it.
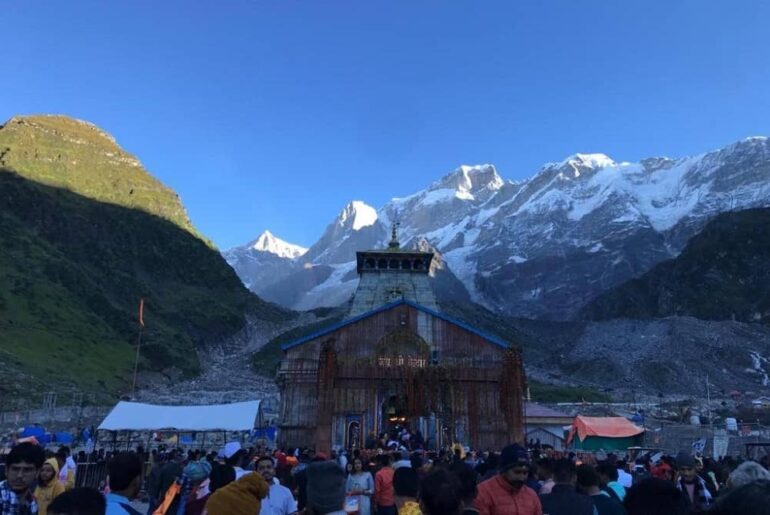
(272, 115)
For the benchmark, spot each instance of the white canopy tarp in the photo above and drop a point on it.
(136, 416)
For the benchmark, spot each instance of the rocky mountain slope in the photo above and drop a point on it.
(722, 274)
(673, 356)
(620, 358)
(539, 248)
(85, 232)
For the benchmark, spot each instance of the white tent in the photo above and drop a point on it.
(136, 416)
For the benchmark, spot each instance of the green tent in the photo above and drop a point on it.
(605, 433)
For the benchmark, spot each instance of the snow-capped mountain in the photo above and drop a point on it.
(541, 247)
(263, 260)
(267, 242)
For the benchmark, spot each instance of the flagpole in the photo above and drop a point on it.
(138, 346)
(136, 362)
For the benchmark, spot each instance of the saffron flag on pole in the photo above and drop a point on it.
(141, 312)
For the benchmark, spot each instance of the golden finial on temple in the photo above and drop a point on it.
(394, 244)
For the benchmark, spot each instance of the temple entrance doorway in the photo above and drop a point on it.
(425, 431)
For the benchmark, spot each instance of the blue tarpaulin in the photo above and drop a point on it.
(35, 431)
(63, 438)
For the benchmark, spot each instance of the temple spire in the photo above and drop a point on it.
(394, 244)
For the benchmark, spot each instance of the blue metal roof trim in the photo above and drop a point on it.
(343, 323)
(459, 323)
(385, 307)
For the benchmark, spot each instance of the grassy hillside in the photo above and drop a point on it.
(75, 155)
(722, 274)
(73, 268)
(71, 273)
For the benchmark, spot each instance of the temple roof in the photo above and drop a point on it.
(492, 339)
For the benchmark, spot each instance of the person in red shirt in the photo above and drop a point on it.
(384, 494)
(507, 492)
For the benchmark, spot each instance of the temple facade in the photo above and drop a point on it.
(397, 360)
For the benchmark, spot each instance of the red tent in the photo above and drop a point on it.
(604, 433)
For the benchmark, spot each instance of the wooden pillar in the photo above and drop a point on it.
(327, 371)
(512, 388)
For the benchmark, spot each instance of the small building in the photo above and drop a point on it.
(547, 425)
(398, 361)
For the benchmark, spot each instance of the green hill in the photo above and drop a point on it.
(78, 156)
(722, 274)
(76, 255)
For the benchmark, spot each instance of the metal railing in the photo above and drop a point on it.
(94, 474)
(69, 414)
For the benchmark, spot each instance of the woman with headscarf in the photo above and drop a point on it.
(197, 473)
(48, 485)
(181, 498)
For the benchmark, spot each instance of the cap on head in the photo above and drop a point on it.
(513, 455)
(197, 470)
(684, 459)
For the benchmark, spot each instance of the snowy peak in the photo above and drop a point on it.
(593, 161)
(469, 180)
(475, 183)
(575, 164)
(748, 146)
(267, 242)
(357, 215)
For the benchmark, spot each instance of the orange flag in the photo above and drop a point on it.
(141, 312)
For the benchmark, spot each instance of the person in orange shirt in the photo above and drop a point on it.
(384, 494)
(507, 492)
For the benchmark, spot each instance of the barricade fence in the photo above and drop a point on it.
(94, 474)
(705, 439)
(56, 414)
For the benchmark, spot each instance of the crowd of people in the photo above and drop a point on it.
(515, 481)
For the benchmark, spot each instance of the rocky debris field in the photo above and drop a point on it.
(227, 374)
(673, 355)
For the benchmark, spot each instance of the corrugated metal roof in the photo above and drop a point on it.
(537, 410)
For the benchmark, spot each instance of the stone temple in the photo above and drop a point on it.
(397, 360)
